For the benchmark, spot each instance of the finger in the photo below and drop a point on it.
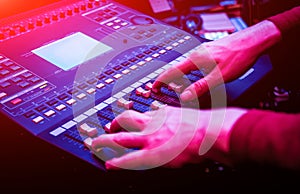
(202, 86)
(174, 72)
(136, 160)
(129, 120)
(118, 140)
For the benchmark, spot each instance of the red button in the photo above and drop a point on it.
(16, 101)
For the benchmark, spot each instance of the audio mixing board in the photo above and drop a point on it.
(68, 68)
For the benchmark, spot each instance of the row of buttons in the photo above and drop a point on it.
(118, 99)
(48, 18)
(108, 80)
(15, 78)
(105, 13)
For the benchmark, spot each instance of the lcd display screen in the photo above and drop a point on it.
(72, 50)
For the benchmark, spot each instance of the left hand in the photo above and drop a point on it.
(169, 137)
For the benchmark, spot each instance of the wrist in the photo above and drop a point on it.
(220, 149)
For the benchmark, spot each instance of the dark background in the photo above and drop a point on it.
(30, 165)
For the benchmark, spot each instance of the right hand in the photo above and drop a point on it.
(224, 59)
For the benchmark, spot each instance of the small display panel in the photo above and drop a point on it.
(72, 50)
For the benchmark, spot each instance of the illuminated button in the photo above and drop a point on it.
(16, 101)
(133, 67)
(49, 113)
(86, 129)
(155, 105)
(144, 80)
(99, 86)
(187, 37)
(175, 44)
(181, 41)
(128, 90)
(110, 24)
(38, 119)
(136, 84)
(23, 84)
(81, 96)
(91, 91)
(90, 112)
(90, 5)
(60, 107)
(155, 55)
(160, 70)
(126, 71)
(5, 84)
(79, 118)
(152, 75)
(2, 95)
(117, 27)
(30, 25)
(149, 86)
(69, 124)
(124, 24)
(169, 48)
(148, 59)
(119, 95)
(117, 21)
(71, 101)
(141, 63)
(100, 106)
(108, 81)
(57, 131)
(110, 100)
(69, 11)
(117, 76)
(4, 72)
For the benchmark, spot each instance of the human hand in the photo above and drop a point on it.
(169, 137)
(224, 59)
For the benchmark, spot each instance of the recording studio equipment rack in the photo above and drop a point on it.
(67, 69)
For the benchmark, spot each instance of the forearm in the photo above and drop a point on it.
(266, 138)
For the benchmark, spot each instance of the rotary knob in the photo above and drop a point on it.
(141, 20)
(30, 25)
(39, 22)
(69, 12)
(55, 17)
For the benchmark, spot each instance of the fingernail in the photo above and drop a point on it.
(186, 95)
